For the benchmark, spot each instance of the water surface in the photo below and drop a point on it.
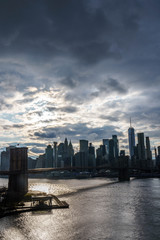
(99, 209)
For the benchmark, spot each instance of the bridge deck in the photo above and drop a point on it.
(42, 170)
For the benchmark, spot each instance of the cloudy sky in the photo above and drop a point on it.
(78, 69)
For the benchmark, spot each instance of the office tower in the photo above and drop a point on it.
(155, 151)
(65, 153)
(49, 156)
(136, 151)
(91, 156)
(68, 153)
(40, 163)
(70, 150)
(158, 150)
(5, 160)
(91, 149)
(122, 153)
(106, 144)
(116, 146)
(148, 149)
(18, 181)
(84, 153)
(65, 148)
(55, 154)
(111, 149)
(131, 139)
(99, 156)
(141, 147)
(60, 155)
(83, 145)
(31, 163)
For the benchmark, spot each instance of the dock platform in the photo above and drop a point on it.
(37, 203)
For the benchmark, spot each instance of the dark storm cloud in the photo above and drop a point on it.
(55, 28)
(81, 33)
(67, 109)
(45, 134)
(15, 126)
(89, 49)
(36, 150)
(69, 82)
(110, 118)
(110, 86)
(35, 144)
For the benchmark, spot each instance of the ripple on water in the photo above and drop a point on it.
(56, 189)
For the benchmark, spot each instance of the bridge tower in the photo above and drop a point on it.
(124, 168)
(18, 178)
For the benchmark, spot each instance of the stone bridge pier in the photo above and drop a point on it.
(124, 174)
(18, 178)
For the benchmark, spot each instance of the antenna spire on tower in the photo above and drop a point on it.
(130, 123)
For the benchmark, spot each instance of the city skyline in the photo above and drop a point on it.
(133, 141)
(78, 70)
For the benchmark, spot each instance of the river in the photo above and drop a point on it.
(99, 209)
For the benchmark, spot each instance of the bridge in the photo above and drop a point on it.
(122, 170)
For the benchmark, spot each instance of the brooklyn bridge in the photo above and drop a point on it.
(18, 173)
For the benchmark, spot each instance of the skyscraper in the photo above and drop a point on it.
(106, 144)
(55, 150)
(131, 139)
(84, 153)
(116, 146)
(91, 156)
(49, 156)
(111, 150)
(158, 150)
(141, 147)
(148, 149)
(83, 145)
